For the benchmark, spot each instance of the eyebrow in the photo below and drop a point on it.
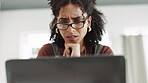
(72, 18)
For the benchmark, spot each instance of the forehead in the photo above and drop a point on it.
(70, 11)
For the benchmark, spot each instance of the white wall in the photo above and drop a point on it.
(17, 21)
(13, 24)
(120, 17)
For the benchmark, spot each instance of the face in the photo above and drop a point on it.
(72, 14)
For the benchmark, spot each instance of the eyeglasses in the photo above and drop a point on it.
(75, 25)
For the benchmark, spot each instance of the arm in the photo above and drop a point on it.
(46, 50)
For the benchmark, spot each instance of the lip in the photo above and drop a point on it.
(71, 37)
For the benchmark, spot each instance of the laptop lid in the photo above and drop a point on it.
(96, 69)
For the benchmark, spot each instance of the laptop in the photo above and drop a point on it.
(94, 69)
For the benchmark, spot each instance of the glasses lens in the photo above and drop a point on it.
(62, 26)
(77, 25)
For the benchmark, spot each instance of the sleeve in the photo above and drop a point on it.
(106, 50)
(46, 50)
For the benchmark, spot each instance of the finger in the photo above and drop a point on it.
(66, 53)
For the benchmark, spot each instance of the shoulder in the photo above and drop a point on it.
(106, 50)
(45, 50)
(46, 47)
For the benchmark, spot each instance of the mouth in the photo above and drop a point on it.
(72, 36)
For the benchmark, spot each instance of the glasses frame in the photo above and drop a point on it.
(72, 24)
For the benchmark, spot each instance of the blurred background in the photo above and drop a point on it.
(24, 29)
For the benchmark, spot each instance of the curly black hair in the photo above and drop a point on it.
(87, 6)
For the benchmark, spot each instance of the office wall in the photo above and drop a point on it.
(14, 22)
(122, 18)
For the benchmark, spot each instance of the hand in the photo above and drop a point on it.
(72, 50)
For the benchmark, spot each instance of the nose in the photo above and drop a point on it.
(70, 29)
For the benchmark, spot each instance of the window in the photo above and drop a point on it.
(31, 42)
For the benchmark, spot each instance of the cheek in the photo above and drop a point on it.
(85, 28)
(83, 31)
(62, 33)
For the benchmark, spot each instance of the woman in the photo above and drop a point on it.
(76, 30)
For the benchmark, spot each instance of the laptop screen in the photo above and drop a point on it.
(96, 69)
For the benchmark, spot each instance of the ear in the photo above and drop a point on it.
(89, 21)
(57, 30)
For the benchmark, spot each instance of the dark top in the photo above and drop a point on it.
(47, 50)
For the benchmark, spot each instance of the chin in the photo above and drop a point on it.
(72, 42)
